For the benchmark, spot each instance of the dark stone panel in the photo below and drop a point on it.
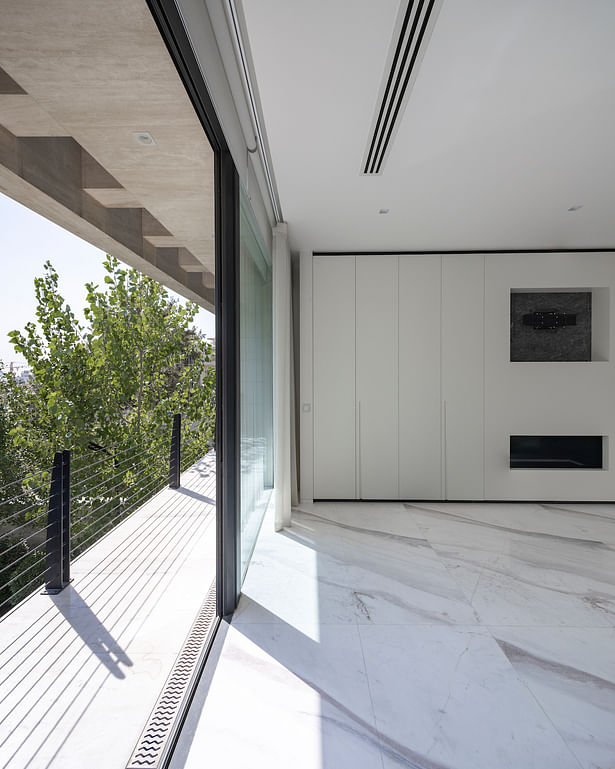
(566, 343)
(8, 85)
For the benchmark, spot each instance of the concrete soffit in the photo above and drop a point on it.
(98, 135)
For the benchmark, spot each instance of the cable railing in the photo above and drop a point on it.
(79, 500)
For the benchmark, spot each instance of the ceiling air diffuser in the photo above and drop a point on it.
(414, 27)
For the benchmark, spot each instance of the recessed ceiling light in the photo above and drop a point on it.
(144, 137)
(383, 211)
(575, 208)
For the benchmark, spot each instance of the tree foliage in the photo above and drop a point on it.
(107, 390)
(122, 377)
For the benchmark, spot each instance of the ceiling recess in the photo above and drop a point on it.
(414, 26)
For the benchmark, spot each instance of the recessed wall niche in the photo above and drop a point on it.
(570, 452)
(559, 324)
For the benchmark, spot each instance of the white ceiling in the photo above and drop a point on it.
(510, 123)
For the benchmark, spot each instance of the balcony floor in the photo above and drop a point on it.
(439, 636)
(81, 671)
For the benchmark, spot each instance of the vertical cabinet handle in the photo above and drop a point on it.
(443, 457)
(358, 452)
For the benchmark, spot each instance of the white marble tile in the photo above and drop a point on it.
(495, 522)
(448, 698)
(572, 675)
(463, 546)
(443, 695)
(299, 577)
(389, 517)
(313, 532)
(306, 591)
(393, 574)
(400, 580)
(279, 699)
(591, 521)
(322, 509)
(319, 573)
(515, 591)
(517, 569)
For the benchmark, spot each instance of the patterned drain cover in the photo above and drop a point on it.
(164, 719)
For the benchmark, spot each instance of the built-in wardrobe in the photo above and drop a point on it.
(422, 379)
(397, 377)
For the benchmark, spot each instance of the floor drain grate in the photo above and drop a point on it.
(163, 721)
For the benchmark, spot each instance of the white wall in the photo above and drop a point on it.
(450, 397)
(563, 398)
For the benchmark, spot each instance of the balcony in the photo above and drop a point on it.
(81, 671)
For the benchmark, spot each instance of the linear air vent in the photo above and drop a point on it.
(415, 25)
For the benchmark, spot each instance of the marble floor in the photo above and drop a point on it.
(81, 671)
(432, 636)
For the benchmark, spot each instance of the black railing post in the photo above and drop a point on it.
(66, 517)
(58, 525)
(175, 459)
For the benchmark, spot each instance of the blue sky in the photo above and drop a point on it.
(27, 241)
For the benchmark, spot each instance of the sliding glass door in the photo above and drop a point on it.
(256, 380)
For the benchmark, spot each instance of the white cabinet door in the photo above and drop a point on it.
(420, 410)
(334, 377)
(463, 291)
(377, 417)
(398, 377)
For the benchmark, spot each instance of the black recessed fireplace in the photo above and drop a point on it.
(573, 452)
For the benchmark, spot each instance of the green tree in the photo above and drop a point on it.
(23, 501)
(7, 465)
(120, 379)
(107, 390)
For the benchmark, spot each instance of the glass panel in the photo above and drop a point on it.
(98, 133)
(256, 347)
(120, 161)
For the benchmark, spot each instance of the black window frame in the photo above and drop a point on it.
(226, 185)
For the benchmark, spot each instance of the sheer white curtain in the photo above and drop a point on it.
(283, 377)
